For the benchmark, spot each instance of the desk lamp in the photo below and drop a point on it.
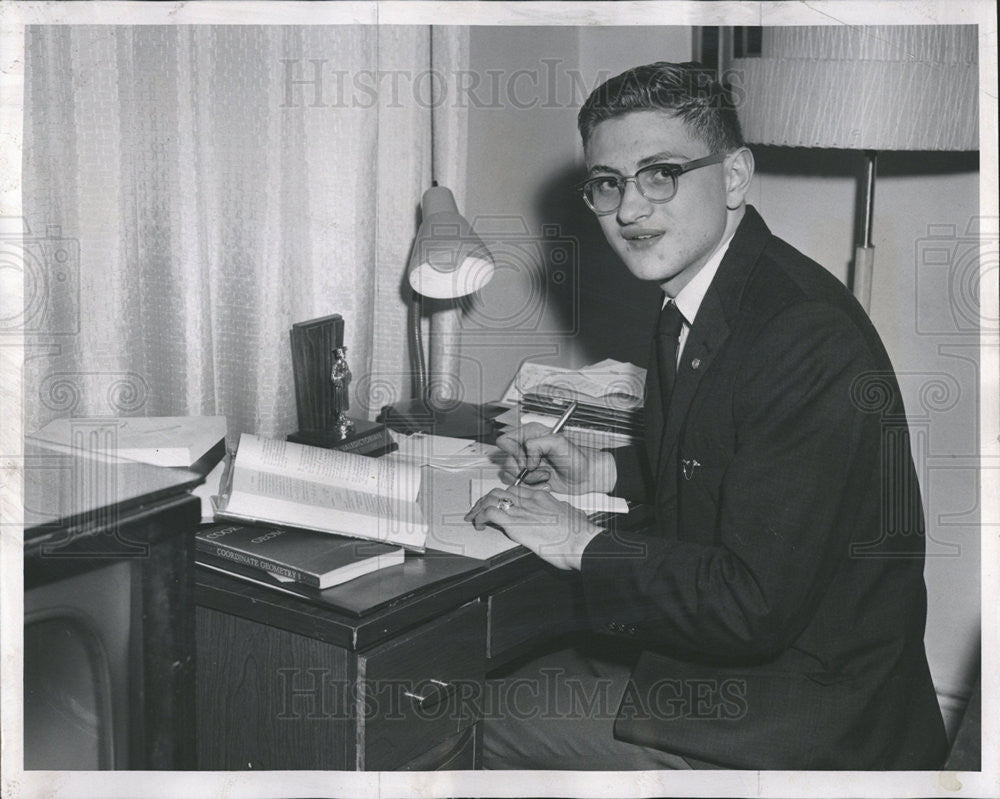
(448, 262)
(869, 88)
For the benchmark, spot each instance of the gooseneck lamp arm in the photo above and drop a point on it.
(416, 339)
(448, 261)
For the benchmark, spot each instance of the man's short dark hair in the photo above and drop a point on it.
(689, 91)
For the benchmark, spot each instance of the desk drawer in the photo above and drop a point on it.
(421, 688)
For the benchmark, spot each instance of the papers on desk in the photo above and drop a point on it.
(442, 452)
(588, 503)
(609, 384)
(445, 505)
(581, 436)
(461, 472)
(609, 396)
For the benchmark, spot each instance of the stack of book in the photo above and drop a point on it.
(278, 557)
(609, 396)
(283, 484)
(303, 519)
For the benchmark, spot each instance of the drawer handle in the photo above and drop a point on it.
(433, 695)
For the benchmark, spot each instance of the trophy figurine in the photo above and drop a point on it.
(322, 387)
(340, 376)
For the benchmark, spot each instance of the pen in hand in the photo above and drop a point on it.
(558, 428)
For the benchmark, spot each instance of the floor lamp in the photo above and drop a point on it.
(448, 262)
(868, 88)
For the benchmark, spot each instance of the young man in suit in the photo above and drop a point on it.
(771, 615)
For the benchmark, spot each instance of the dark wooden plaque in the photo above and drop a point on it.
(313, 343)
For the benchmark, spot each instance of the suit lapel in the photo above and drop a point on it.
(709, 332)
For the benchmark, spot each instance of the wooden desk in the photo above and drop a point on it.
(286, 683)
(108, 614)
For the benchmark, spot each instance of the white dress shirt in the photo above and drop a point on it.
(689, 299)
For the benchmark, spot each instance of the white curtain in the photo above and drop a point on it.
(192, 191)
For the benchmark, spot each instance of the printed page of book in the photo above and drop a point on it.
(255, 483)
(376, 476)
(377, 519)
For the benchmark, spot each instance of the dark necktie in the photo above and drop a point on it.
(668, 330)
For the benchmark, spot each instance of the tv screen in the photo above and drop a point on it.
(76, 645)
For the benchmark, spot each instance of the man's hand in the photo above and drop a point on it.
(555, 531)
(552, 459)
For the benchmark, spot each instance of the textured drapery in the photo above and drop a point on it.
(207, 186)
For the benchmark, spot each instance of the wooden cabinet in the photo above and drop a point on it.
(421, 689)
(272, 699)
(268, 698)
(287, 683)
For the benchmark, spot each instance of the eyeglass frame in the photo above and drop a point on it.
(675, 170)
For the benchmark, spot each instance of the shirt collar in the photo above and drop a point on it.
(688, 299)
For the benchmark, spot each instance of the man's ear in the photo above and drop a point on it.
(738, 173)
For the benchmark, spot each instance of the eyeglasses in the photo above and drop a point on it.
(656, 182)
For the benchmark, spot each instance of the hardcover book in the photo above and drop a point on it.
(364, 595)
(315, 559)
(280, 483)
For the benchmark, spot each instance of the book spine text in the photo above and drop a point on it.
(246, 559)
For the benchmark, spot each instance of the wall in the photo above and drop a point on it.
(561, 296)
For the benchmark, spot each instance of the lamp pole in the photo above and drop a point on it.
(864, 254)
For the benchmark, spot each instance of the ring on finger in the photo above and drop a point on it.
(505, 504)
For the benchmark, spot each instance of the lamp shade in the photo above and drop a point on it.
(880, 87)
(448, 258)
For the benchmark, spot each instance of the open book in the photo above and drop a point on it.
(280, 483)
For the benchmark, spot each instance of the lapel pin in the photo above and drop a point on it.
(688, 467)
(695, 363)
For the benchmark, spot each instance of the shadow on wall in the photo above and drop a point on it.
(614, 313)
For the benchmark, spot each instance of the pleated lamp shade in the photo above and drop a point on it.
(871, 88)
(879, 87)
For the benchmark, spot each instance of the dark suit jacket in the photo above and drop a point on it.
(779, 595)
